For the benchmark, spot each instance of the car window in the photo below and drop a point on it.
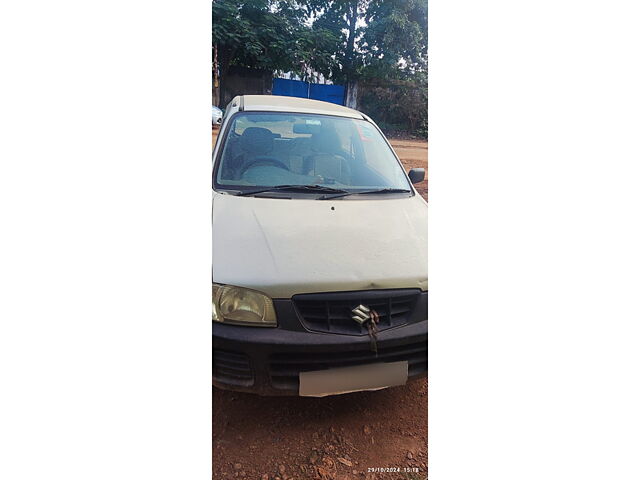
(278, 125)
(267, 149)
(374, 148)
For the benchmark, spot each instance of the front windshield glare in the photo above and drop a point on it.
(269, 149)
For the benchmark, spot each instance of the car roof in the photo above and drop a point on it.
(276, 103)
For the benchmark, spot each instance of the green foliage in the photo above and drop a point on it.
(342, 39)
(317, 47)
(398, 107)
(377, 38)
(343, 19)
(395, 40)
(364, 40)
(272, 35)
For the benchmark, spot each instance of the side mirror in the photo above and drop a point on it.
(416, 175)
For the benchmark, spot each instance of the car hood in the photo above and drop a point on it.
(283, 247)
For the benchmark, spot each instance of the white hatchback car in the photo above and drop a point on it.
(319, 252)
(216, 115)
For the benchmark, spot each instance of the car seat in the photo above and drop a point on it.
(327, 158)
(254, 142)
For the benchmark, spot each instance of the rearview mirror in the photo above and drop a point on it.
(416, 175)
(305, 128)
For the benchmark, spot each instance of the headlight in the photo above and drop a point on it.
(242, 306)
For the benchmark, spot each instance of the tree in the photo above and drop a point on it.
(381, 41)
(342, 39)
(271, 34)
(257, 33)
(395, 40)
(345, 20)
(317, 47)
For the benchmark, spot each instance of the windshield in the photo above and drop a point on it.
(269, 149)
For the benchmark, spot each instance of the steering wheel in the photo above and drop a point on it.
(265, 160)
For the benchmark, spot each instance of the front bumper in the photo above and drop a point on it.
(268, 361)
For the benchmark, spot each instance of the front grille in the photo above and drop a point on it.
(232, 368)
(285, 368)
(331, 312)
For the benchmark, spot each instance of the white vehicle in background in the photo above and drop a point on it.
(319, 252)
(216, 115)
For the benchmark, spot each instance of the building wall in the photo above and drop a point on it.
(244, 81)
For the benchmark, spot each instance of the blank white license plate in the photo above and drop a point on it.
(374, 376)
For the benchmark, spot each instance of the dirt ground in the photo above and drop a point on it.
(413, 154)
(369, 435)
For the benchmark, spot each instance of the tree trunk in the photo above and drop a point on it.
(352, 20)
(351, 100)
(216, 77)
(225, 57)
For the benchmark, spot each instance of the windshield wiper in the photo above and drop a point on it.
(299, 188)
(366, 192)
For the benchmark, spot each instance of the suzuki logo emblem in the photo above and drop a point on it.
(361, 314)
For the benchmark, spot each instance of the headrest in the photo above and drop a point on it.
(326, 141)
(256, 140)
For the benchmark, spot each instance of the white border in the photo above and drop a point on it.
(534, 239)
(105, 251)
